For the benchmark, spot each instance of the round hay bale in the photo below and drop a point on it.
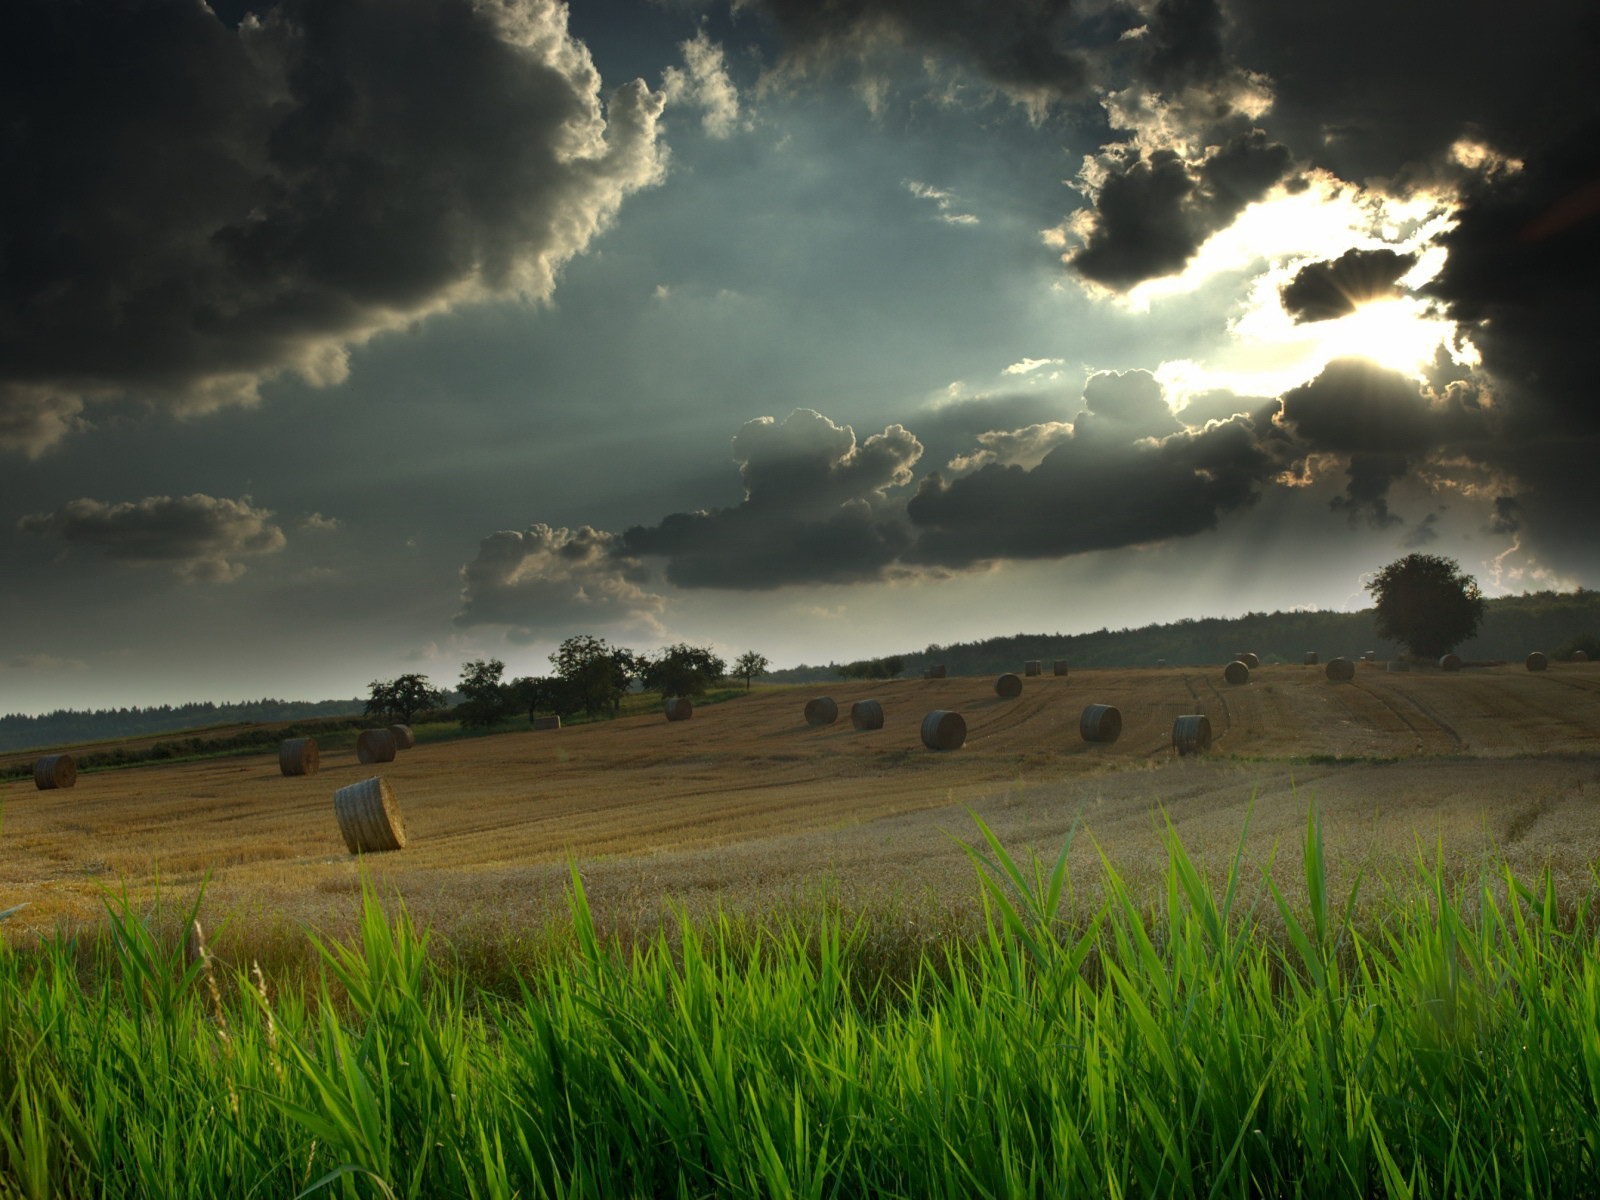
(938, 672)
(55, 771)
(1060, 667)
(1580, 656)
(866, 714)
(1161, 664)
(404, 739)
(1032, 667)
(944, 730)
(821, 711)
(1311, 658)
(1249, 659)
(679, 708)
(1100, 723)
(1450, 662)
(1537, 661)
(542, 723)
(1192, 734)
(1341, 670)
(1008, 687)
(369, 818)
(1236, 672)
(1370, 656)
(298, 756)
(1399, 664)
(375, 746)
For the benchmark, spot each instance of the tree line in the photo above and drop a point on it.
(588, 675)
(67, 726)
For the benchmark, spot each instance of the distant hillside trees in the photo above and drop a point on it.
(68, 726)
(1426, 603)
(590, 676)
(403, 698)
(873, 668)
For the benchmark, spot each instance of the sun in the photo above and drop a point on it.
(1397, 332)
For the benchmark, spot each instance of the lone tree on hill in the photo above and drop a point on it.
(1424, 602)
(749, 665)
(403, 698)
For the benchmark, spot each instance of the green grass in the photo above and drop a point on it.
(1165, 1045)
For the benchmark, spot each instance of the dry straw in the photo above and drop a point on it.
(55, 771)
(1060, 666)
(679, 708)
(1008, 686)
(866, 714)
(404, 739)
(547, 722)
(1250, 659)
(1537, 661)
(369, 818)
(944, 730)
(1341, 670)
(1450, 662)
(1311, 658)
(821, 711)
(1580, 656)
(1100, 723)
(1032, 667)
(1370, 656)
(1192, 734)
(298, 756)
(375, 746)
(1236, 672)
(1161, 663)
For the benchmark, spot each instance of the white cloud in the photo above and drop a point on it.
(704, 84)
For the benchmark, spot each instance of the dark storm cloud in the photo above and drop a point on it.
(1030, 49)
(1322, 291)
(198, 537)
(1384, 423)
(1183, 44)
(1152, 211)
(1423, 533)
(545, 580)
(191, 208)
(815, 510)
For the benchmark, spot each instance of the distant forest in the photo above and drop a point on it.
(1512, 626)
(67, 726)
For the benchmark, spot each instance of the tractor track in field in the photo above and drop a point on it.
(1435, 722)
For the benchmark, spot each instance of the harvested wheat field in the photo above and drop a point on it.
(746, 805)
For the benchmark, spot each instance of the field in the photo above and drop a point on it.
(833, 1015)
(746, 806)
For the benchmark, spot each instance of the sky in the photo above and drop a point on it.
(346, 338)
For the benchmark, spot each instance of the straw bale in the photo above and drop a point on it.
(1032, 667)
(822, 710)
(1580, 656)
(375, 746)
(1008, 687)
(944, 730)
(1537, 661)
(1100, 723)
(938, 672)
(866, 714)
(1250, 659)
(298, 756)
(1236, 672)
(547, 723)
(1060, 666)
(404, 739)
(1311, 658)
(1341, 670)
(55, 771)
(679, 708)
(1450, 662)
(369, 818)
(1191, 734)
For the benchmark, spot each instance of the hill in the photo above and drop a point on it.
(1512, 626)
(66, 727)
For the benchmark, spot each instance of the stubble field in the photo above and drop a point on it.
(747, 808)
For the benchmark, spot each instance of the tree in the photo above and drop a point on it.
(749, 665)
(872, 668)
(485, 699)
(1424, 602)
(594, 675)
(403, 698)
(683, 670)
